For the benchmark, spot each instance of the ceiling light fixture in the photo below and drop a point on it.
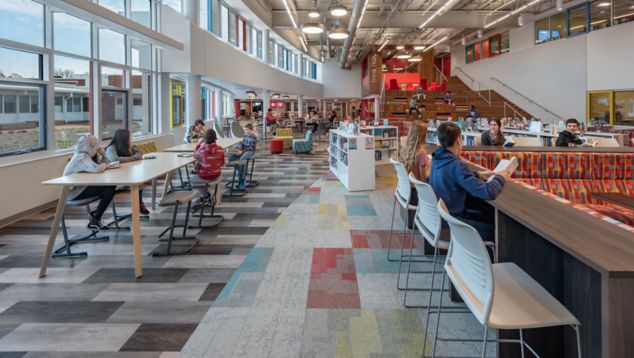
(622, 16)
(520, 20)
(560, 5)
(365, 5)
(313, 28)
(338, 10)
(463, 41)
(603, 4)
(338, 33)
(419, 47)
(414, 59)
(314, 13)
(403, 56)
(400, 47)
(520, 9)
(290, 14)
(448, 5)
(385, 43)
(436, 43)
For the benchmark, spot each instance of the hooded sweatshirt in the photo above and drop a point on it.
(86, 149)
(452, 179)
(566, 138)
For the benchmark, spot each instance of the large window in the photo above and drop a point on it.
(205, 19)
(271, 49)
(177, 104)
(72, 100)
(174, 4)
(111, 46)
(141, 12)
(114, 112)
(578, 20)
(259, 44)
(600, 14)
(542, 31)
(624, 108)
(280, 56)
(22, 21)
(558, 26)
(224, 23)
(141, 54)
(21, 119)
(141, 108)
(117, 6)
(19, 65)
(71, 34)
(623, 11)
(232, 29)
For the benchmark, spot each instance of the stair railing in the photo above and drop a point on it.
(477, 86)
(516, 114)
(526, 98)
(439, 77)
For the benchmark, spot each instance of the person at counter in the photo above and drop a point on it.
(462, 189)
(494, 135)
(569, 137)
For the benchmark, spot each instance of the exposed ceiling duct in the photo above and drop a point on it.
(355, 17)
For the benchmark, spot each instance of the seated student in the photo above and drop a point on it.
(246, 151)
(494, 135)
(473, 112)
(270, 117)
(448, 98)
(121, 150)
(313, 121)
(413, 106)
(569, 137)
(452, 180)
(87, 159)
(332, 118)
(211, 157)
(414, 156)
(195, 132)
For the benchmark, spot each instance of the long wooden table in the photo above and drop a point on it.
(132, 174)
(189, 147)
(583, 261)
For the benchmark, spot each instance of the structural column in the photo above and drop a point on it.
(192, 11)
(300, 106)
(377, 108)
(265, 48)
(265, 108)
(193, 98)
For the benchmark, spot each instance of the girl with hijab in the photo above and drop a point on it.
(121, 150)
(87, 159)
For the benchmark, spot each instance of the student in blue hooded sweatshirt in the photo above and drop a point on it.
(452, 180)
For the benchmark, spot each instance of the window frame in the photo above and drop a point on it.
(586, 6)
(42, 117)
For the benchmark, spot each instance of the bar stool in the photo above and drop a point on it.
(500, 296)
(176, 199)
(250, 183)
(233, 188)
(209, 201)
(65, 251)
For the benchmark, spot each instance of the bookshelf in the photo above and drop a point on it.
(385, 142)
(350, 158)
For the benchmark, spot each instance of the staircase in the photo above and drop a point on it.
(489, 104)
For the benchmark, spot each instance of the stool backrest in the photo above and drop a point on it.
(218, 129)
(236, 130)
(468, 266)
(403, 189)
(427, 214)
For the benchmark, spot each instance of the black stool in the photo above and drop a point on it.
(250, 183)
(177, 199)
(209, 201)
(233, 189)
(64, 251)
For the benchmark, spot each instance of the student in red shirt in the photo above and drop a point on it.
(211, 158)
(270, 117)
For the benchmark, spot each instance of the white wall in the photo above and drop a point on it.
(22, 187)
(340, 83)
(610, 58)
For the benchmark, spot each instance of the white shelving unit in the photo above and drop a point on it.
(351, 159)
(385, 142)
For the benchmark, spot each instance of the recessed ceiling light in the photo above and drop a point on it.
(419, 47)
(338, 10)
(338, 33)
(400, 47)
(603, 4)
(403, 56)
(314, 13)
(313, 28)
(415, 59)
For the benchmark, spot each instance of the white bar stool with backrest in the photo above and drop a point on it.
(500, 296)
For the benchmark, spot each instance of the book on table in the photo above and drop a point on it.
(113, 165)
(505, 164)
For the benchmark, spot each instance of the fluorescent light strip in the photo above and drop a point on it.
(592, 23)
(443, 8)
(436, 43)
(622, 16)
(365, 5)
(290, 14)
(520, 9)
(301, 39)
(385, 43)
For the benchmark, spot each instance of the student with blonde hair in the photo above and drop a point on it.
(414, 156)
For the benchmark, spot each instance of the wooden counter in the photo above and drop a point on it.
(585, 262)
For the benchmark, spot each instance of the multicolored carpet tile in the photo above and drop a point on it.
(333, 280)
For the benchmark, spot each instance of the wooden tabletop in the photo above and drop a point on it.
(623, 200)
(549, 149)
(603, 246)
(132, 173)
(189, 147)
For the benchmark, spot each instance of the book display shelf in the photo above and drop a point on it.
(351, 159)
(385, 142)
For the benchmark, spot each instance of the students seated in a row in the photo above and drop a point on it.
(211, 159)
(121, 150)
(89, 157)
(195, 132)
(494, 135)
(246, 151)
(569, 137)
(458, 186)
(414, 156)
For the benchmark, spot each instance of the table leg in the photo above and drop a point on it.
(136, 231)
(166, 185)
(61, 204)
(154, 194)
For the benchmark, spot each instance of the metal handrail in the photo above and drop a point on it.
(381, 98)
(480, 87)
(515, 112)
(439, 76)
(527, 98)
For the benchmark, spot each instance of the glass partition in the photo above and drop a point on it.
(624, 108)
(578, 20)
(600, 12)
(599, 107)
(542, 31)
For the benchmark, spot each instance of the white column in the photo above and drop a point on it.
(377, 108)
(193, 98)
(265, 109)
(192, 11)
(164, 115)
(265, 48)
(218, 101)
(300, 106)
(323, 109)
